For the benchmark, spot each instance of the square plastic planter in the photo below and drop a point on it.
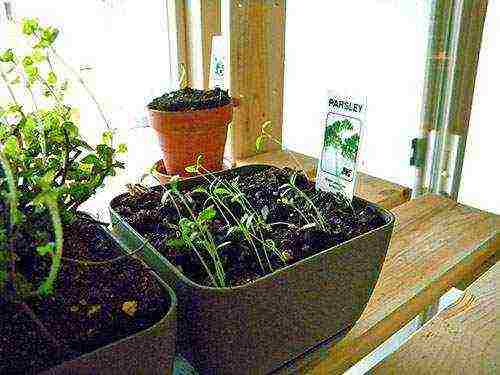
(257, 327)
(151, 351)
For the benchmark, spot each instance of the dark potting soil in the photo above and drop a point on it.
(92, 305)
(189, 99)
(152, 219)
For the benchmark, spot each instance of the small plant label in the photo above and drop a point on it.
(344, 123)
(218, 63)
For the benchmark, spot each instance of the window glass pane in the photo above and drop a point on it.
(375, 48)
(481, 177)
(121, 49)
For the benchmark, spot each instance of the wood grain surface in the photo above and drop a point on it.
(257, 71)
(459, 340)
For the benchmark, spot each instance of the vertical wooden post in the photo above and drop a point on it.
(178, 21)
(257, 71)
(210, 26)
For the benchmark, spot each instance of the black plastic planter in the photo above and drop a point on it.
(257, 327)
(151, 351)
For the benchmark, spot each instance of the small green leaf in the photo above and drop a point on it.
(46, 288)
(7, 56)
(86, 167)
(107, 137)
(71, 128)
(27, 61)
(48, 248)
(46, 181)
(11, 147)
(49, 35)
(208, 214)
(90, 159)
(259, 142)
(105, 152)
(122, 148)
(29, 26)
(174, 183)
(31, 72)
(51, 78)
(267, 125)
(191, 169)
(201, 190)
(176, 243)
(222, 192)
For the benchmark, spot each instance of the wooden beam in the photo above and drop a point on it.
(373, 189)
(210, 26)
(459, 340)
(178, 20)
(257, 71)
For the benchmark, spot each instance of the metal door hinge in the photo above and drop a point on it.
(419, 148)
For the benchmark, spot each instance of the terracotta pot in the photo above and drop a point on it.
(184, 135)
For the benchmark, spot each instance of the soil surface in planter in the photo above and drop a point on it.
(92, 306)
(294, 239)
(189, 99)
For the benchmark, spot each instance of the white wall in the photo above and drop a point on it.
(481, 170)
(373, 47)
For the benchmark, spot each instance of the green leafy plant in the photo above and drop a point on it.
(46, 164)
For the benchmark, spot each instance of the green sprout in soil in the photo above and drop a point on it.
(265, 135)
(291, 194)
(252, 225)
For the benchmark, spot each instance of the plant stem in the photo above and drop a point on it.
(242, 227)
(209, 245)
(13, 97)
(13, 219)
(48, 283)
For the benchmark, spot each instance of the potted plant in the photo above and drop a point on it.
(264, 266)
(190, 121)
(71, 300)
